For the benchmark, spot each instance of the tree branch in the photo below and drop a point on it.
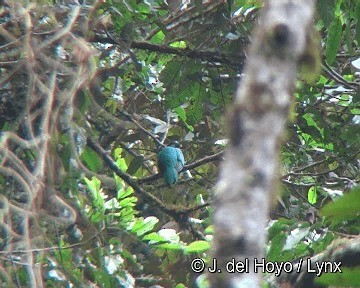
(210, 56)
(345, 252)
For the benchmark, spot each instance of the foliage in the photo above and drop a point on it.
(133, 75)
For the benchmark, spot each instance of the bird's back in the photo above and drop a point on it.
(170, 163)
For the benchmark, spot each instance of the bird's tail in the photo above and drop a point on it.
(187, 174)
(171, 176)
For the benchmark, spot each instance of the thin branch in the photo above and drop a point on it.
(338, 78)
(210, 56)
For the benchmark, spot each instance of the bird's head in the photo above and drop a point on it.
(175, 144)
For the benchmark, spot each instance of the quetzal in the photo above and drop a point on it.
(170, 162)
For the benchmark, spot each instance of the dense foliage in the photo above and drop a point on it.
(90, 92)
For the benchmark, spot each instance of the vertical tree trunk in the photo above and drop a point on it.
(257, 121)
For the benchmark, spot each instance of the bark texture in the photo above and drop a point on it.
(256, 126)
(344, 253)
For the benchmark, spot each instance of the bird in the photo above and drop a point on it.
(170, 162)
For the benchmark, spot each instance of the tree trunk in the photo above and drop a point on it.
(256, 124)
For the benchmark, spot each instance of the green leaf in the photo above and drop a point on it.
(348, 37)
(197, 247)
(112, 204)
(169, 235)
(154, 238)
(323, 243)
(276, 246)
(357, 25)
(180, 112)
(345, 208)
(91, 159)
(209, 230)
(171, 246)
(312, 195)
(135, 165)
(296, 236)
(334, 40)
(143, 226)
(158, 37)
(97, 217)
(126, 216)
(278, 226)
(178, 44)
(143, 7)
(347, 278)
(182, 115)
(121, 163)
(310, 120)
(93, 185)
(125, 193)
(325, 9)
(129, 201)
(117, 152)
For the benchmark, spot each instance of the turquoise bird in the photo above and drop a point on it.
(170, 162)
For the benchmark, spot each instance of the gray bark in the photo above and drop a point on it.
(256, 124)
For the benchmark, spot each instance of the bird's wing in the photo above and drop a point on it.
(167, 163)
(164, 159)
(180, 160)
